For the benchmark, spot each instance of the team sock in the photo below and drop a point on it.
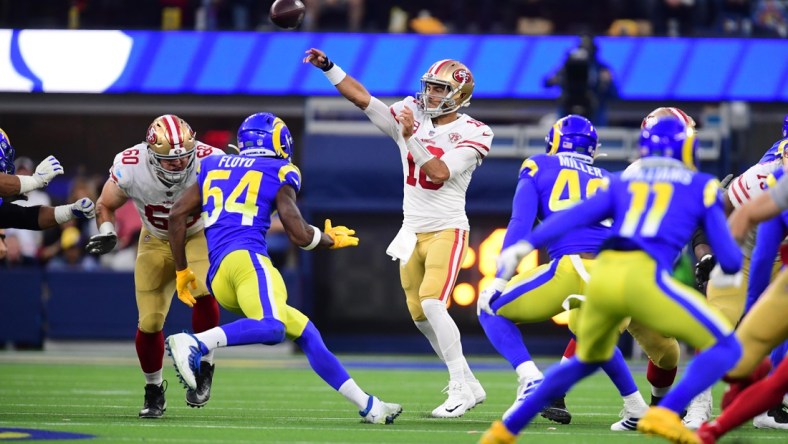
(753, 401)
(353, 393)
(150, 350)
(660, 379)
(506, 338)
(618, 372)
(569, 351)
(702, 372)
(558, 379)
(251, 331)
(205, 316)
(323, 362)
(448, 337)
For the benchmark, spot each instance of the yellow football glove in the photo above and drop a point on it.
(341, 235)
(183, 280)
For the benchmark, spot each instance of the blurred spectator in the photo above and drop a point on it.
(675, 17)
(71, 256)
(586, 83)
(238, 15)
(13, 256)
(770, 18)
(333, 15)
(425, 23)
(733, 17)
(30, 242)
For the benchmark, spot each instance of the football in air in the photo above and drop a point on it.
(287, 14)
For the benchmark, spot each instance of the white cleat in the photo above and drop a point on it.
(629, 421)
(698, 411)
(527, 386)
(379, 412)
(185, 352)
(775, 418)
(460, 400)
(479, 395)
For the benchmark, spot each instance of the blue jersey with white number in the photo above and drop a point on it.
(238, 198)
(655, 208)
(550, 184)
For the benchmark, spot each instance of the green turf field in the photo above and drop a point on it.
(280, 400)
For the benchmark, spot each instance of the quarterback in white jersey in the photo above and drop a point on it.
(439, 148)
(154, 174)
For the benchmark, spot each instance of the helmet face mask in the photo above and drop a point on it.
(265, 135)
(7, 154)
(458, 82)
(573, 134)
(671, 138)
(169, 139)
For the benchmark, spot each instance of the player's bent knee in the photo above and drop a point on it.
(152, 323)
(275, 331)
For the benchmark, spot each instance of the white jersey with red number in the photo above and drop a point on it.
(429, 206)
(748, 186)
(153, 199)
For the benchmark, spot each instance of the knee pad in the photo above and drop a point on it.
(664, 353)
(277, 331)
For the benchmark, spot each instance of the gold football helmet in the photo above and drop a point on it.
(459, 83)
(170, 138)
(665, 111)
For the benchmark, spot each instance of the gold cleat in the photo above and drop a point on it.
(497, 434)
(666, 423)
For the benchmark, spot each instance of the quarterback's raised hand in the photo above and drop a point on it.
(47, 170)
(83, 209)
(102, 243)
(184, 279)
(318, 59)
(510, 258)
(341, 235)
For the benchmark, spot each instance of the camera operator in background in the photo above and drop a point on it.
(586, 83)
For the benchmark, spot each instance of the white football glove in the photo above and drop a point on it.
(83, 209)
(489, 295)
(510, 258)
(47, 170)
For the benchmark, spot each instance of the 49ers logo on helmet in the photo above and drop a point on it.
(461, 75)
(151, 137)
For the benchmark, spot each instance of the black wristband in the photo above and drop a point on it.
(327, 65)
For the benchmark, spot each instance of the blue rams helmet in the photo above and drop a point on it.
(7, 154)
(573, 134)
(265, 135)
(670, 137)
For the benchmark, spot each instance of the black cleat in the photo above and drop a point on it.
(155, 404)
(200, 396)
(557, 412)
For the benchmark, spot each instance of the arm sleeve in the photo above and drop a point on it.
(780, 193)
(725, 248)
(458, 161)
(383, 117)
(524, 208)
(699, 237)
(595, 209)
(770, 234)
(15, 216)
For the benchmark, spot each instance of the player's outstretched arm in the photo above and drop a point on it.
(349, 87)
(45, 171)
(189, 203)
(306, 236)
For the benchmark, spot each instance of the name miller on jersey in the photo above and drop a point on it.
(569, 162)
